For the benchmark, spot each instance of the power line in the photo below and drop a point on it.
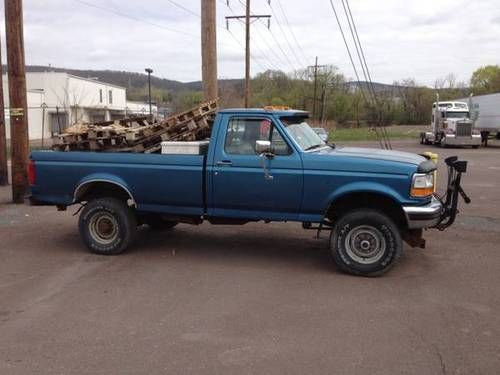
(364, 66)
(347, 48)
(270, 48)
(286, 55)
(121, 14)
(286, 38)
(264, 56)
(361, 61)
(242, 46)
(360, 46)
(291, 30)
(184, 8)
(354, 66)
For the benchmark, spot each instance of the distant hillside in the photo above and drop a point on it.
(132, 80)
(122, 78)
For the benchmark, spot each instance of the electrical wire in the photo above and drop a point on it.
(125, 15)
(285, 37)
(264, 56)
(368, 77)
(271, 48)
(276, 41)
(291, 31)
(384, 134)
(183, 8)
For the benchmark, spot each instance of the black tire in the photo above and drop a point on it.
(365, 242)
(158, 224)
(107, 226)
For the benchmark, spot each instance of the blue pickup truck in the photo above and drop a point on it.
(260, 165)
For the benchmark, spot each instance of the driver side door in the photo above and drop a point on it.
(241, 188)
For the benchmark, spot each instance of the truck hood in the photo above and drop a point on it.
(373, 153)
(366, 160)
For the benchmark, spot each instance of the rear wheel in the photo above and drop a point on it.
(107, 226)
(365, 242)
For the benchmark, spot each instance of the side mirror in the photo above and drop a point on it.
(263, 147)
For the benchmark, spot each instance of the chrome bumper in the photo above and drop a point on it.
(427, 216)
(452, 140)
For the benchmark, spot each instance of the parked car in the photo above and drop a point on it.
(260, 165)
(322, 133)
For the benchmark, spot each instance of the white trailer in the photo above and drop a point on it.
(451, 126)
(485, 111)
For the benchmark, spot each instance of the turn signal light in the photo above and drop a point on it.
(421, 192)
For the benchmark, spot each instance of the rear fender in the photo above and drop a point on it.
(85, 183)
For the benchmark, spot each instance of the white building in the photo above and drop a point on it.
(58, 100)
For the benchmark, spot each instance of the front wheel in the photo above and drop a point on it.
(107, 226)
(365, 242)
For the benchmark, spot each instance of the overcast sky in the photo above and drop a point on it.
(421, 39)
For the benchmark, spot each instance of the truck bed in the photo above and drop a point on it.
(159, 182)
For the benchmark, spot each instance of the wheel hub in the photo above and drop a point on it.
(365, 244)
(103, 228)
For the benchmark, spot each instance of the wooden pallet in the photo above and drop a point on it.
(139, 134)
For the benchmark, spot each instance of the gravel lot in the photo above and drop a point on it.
(256, 299)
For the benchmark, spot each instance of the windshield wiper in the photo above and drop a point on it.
(314, 147)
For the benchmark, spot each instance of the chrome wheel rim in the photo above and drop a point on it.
(365, 244)
(103, 228)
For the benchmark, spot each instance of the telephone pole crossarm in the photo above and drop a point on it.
(247, 17)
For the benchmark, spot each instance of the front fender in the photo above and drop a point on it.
(365, 187)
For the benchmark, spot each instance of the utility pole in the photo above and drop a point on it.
(149, 71)
(247, 17)
(4, 172)
(247, 55)
(17, 95)
(315, 67)
(209, 49)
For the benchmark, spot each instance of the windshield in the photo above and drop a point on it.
(457, 114)
(302, 133)
(320, 131)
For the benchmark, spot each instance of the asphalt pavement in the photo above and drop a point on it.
(253, 299)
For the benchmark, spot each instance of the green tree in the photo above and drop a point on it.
(486, 80)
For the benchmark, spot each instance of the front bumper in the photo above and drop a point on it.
(427, 216)
(452, 140)
(440, 213)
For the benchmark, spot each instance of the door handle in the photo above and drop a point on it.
(224, 163)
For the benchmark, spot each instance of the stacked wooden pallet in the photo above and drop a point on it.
(140, 134)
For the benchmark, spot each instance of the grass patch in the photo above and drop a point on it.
(368, 134)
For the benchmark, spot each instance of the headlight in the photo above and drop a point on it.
(422, 185)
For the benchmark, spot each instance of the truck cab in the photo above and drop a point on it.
(451, 125)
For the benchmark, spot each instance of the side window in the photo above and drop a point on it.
(278, 144)
(242, 133)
